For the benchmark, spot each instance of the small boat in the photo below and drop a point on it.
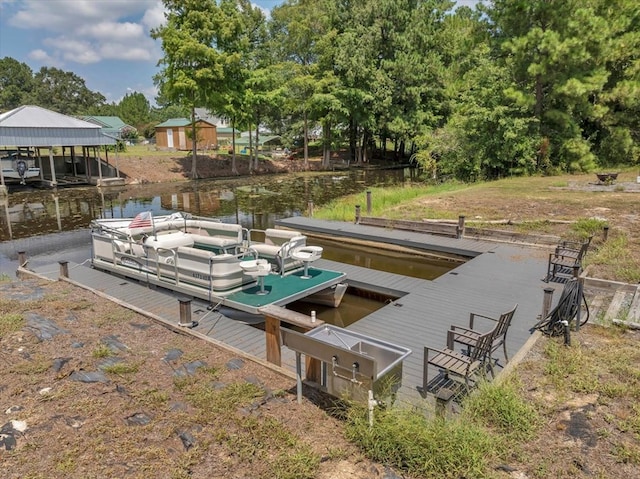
(16, 165)
(211, 260)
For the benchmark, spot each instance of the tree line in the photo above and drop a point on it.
(509, 88)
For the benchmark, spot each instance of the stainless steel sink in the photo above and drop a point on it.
(353, 363)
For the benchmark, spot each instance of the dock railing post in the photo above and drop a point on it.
(64, 269)
(357, 214)
(368, 202)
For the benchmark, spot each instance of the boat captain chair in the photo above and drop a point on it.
(307, 254)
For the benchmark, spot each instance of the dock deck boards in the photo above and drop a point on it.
(497, 276)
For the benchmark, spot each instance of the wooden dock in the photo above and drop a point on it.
(497, 276)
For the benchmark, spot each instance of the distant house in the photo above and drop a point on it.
(204, 114)
(225, 135)
(175, 134)
(266, 143)
(111, 125)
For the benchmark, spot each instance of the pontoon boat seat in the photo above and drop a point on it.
(277, 247)
(220, 272)
(307, 254)
(169, 240)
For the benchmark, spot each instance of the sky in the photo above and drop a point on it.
(104, 42)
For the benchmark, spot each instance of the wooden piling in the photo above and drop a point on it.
(460, 231)
(64, 269)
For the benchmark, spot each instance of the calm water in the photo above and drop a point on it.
(254, 202)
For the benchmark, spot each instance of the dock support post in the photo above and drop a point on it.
(299, 376)
(460, 229)
(310, 209)
(272, 334)
(64, 269)
(185, 314)
(443, 399)
(357, 214)
(546, 302)
(369, 202)
(605, 234)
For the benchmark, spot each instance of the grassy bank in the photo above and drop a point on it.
(570, 206)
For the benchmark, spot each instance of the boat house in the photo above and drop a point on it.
(28, 130)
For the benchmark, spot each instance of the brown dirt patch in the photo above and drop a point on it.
(151, 168)
(590, 425)
(137, 421)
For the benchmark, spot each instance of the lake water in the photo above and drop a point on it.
(51, 225)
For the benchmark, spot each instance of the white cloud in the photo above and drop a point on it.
(89, 31)
(154, 16)
(43, 57)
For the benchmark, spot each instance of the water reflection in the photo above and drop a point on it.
(253, 202)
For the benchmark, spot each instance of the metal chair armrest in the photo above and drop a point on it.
(472, 317)
(460, 332)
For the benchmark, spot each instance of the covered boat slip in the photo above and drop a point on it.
(497, 277)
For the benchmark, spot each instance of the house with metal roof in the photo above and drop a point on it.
(175, 134)
(111, 125)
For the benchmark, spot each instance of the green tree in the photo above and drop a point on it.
(63, 92)
(241, 43)
(296, 29)
(557, 52)
(16, 83)
(191, 68)
(134, 109)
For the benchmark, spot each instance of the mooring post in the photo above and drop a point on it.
(605, 233)
(310, 208)
(185, 313)
(357, 214)
(460, 232)
(64, 269)
(546, 301)
(22, 259)
(22, 262)
(369, 202)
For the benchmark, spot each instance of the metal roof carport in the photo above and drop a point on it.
(37, 127)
